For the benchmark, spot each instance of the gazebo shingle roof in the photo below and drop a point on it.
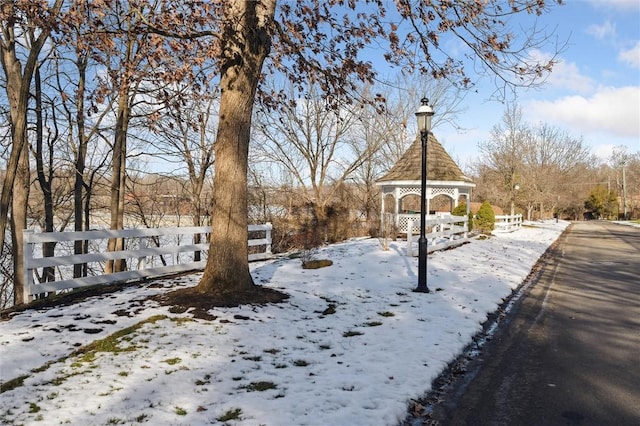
(440, 166)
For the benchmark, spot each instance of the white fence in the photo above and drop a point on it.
(508, 223)
(445, 232)
(142, 255)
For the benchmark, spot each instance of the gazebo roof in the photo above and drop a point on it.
(440, 166)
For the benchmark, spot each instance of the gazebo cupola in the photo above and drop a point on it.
(444, 177)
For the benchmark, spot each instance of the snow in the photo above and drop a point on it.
(359, 366)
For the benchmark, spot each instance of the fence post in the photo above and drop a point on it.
(410, 237)
(27, 256)
(465, 223)
(142, 261)
(268, 228)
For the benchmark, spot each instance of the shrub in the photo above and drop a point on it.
(485, 218)
(461, 210)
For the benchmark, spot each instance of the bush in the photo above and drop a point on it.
(485, 218)
(461, 210)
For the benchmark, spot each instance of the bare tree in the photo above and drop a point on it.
(317, 145)
(24, 31)
(185, 135)
(502, 155)
(553, 159)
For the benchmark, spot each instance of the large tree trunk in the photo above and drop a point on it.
(118, 180)
(227, 268)
(17, 85)
(19, 223)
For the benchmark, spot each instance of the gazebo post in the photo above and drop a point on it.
(396, 211)
(382, 211)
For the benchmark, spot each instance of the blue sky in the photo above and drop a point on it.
(593, 93)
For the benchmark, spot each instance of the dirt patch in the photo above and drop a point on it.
(181, 300)
(316, 264)
(191, 297)
(70, 298)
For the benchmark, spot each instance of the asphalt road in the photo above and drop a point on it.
(570, 355)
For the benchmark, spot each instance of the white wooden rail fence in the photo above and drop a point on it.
(446, 232)
(141, 253)
(508, 223)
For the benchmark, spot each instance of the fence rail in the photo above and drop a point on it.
(508, 223)
(142, 253)
(444, 232)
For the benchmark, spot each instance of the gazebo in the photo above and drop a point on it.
(444, 177)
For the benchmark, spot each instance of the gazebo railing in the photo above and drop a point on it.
(402, 221)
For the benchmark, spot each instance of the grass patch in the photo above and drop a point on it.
(330, 310)
(271, 351)
(300, 363)
(386, 314)
(86, 353)
(324, 347)
(181, 321)
(205, 381)
(141, 418)
(33, 408)
(260, 386)
(13, 383)
(231, 414)
(252, 358)
(172, 361)
(372, 323)
(352, 333)
(112, 342)
(181, 411)
(61, 379)
(42, 368)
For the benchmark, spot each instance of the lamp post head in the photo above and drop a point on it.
(424, 114)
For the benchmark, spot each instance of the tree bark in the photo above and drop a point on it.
(118, 180)
(247, 45)
(19, 223)
(17, 86)
(48, 248)
(79, 270)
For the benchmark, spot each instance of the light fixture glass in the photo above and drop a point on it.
(424, 115)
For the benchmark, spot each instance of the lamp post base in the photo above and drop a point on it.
(422, 265)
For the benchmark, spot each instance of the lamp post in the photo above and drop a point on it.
(514, 189)
(624, 189)
(424, 115)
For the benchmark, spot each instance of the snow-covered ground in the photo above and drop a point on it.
(351, 346)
